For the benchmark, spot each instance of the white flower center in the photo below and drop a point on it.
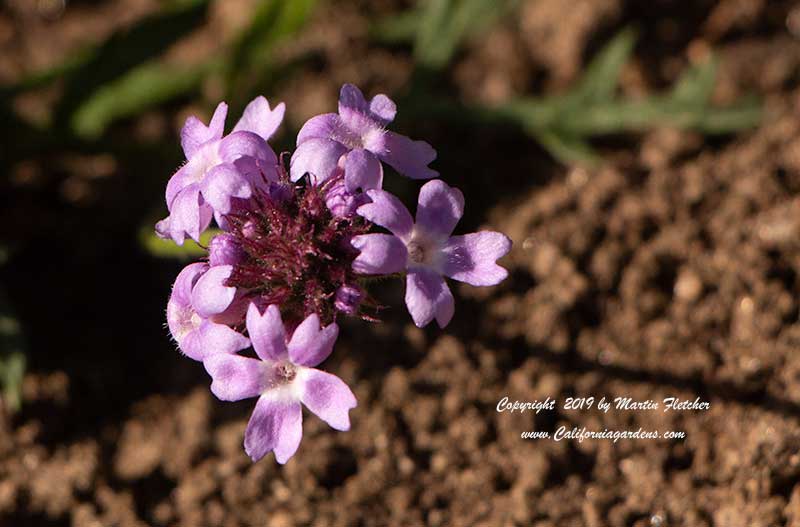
(204, 160)
(423, 250)
(282, 373)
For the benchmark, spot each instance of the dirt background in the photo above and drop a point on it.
(671, 270)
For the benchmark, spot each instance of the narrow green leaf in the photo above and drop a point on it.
(566, 148)
(444, 24)
(168, 249)
(127, 49)
(696, 84)
(601, 77)
(398, 28)
(141, 88)
(12, 355)
(273, 21)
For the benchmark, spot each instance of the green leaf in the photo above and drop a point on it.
(566, 148)
(138, 90)
(162, 248)
(444, 24)
(696, 84)
(398, 28)
(600, 80)
(12, 355)
(127, 49)
(273, 21)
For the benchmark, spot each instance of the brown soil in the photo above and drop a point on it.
(669, 271)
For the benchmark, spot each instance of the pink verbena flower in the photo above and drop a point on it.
(426, 249)
(219, 168)
(282, 378)
(358, 132)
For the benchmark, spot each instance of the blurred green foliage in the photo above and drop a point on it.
(563, 123)
(127, 75)
(438, 27)
(12, 350)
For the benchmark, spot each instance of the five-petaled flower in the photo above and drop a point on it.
(282, 378)
(426, 249)
(358, 133)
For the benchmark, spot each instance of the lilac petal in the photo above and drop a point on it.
(380, 254)
(439, 208)
(182, 288)
(222, 183)
(362, 170)
(410, 158)
(318, 157)
(181, 318)
(428, 297)
(471, 258)
(235, 377)
(359, 113)
(383, 108)
(223, 249)
(246, 144)
(195, 133)
(328, 397)
(210, 295)
(260, 119)
(388, 212)
(319, 127)
(310, 346)
(211, 338)
(351, 100)
(267, 332)
(190, 214)
(179, 181)
(276, 424)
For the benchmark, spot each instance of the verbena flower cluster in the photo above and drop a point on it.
(295, 248)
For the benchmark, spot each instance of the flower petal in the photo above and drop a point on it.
(428, 297)
(212, 338)
(210, 295)
(362, 170)
(223, 249)
(410, 158)
(388, 212)
(383, 108)
(276, 424)
(380, 254)
(195, 133)
(328, 397)
(184, 282)
(260, 119)
(310, 346)
(246, 144)
(181, 179)
(180, 319)
(355, 109)
(267, 332)
(472, 258)
(190, 215)
(222, 183)
(439, 208)
(317, 157)
(319, 127)
(235, 377)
